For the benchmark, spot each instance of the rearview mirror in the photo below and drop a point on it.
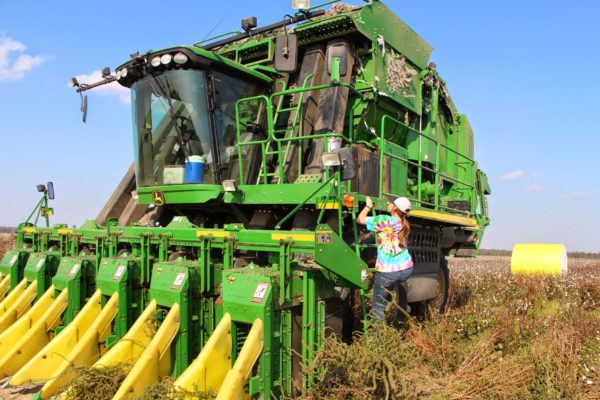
(84, 107)
(286, 52)
(50, 189)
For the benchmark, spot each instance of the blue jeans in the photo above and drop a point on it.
(382, 288)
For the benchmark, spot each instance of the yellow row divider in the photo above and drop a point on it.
(129, 348)
(207, 372)
(78, 344)
(30, 334)
(17, 303)
(13, 296)
(235, 381)
(155, 362)
(4, 286)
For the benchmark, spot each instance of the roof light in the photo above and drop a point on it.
(155, 62)
(180, 58)
(166, 59)
(300, 4)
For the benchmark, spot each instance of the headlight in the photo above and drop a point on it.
(180, 58)
(123, 73)
(166, 59)
(118, 74)
(155, 62)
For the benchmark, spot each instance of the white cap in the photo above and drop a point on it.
(403, 204)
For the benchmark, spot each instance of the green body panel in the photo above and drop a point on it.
(122, 275)
(77, 274)
(41, 267)
(376, 20)
(333, 253)
(13, 263)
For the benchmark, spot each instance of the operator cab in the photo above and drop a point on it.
(184, 116)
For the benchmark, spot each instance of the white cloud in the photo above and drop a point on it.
(511, 176)
(112, 89)
(11, 68)
(573, 195)
(535, 187)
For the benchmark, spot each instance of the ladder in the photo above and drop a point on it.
(286, 103)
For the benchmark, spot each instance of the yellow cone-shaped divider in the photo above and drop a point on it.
(17, 303)
(539, 259)
(78, 344)
(4, 286)
(155, 362)
(207, 372)
(235, 381)
(130, 347)
(30, 333)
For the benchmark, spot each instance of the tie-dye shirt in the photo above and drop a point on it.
(391, 255)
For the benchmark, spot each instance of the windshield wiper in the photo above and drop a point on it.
(166, 93)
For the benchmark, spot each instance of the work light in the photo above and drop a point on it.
(300, 4)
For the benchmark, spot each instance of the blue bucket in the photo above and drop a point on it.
(194, 170)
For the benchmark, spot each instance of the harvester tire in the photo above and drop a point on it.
(438, 303)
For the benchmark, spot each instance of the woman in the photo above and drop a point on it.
(394, 263)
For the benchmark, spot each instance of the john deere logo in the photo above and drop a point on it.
(158, 197)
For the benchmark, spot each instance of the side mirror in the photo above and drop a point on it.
(343, 159)
(286, 52)
(348, 166)
(84, 107)
(50, 189)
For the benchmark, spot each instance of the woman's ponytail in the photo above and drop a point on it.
(405, 230)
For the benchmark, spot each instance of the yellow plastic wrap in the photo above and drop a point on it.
(539, 259)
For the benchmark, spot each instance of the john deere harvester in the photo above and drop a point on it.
(230, 248)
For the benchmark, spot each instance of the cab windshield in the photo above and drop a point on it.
(178, 139)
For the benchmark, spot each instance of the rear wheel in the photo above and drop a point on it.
(438, 303)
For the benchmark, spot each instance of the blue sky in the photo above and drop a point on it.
(524, 72)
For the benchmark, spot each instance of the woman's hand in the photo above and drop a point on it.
(362, 217)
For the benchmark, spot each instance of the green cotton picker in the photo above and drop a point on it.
(231, 245)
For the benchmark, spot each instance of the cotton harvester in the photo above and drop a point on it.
(230, 248)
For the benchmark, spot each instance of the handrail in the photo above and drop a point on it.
(420, 167)
(273, 105)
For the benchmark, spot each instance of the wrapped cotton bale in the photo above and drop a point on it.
(539, 259)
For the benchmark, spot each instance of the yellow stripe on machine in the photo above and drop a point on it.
(438, 216)
(65, 231)
(329, 205)
(217, 234)
(16, 304)
(155, 362)
(207, 372)
(30, 334)
(29, 229)
(299, 237)
(235, 381)
(4, 286)
(79, 344)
